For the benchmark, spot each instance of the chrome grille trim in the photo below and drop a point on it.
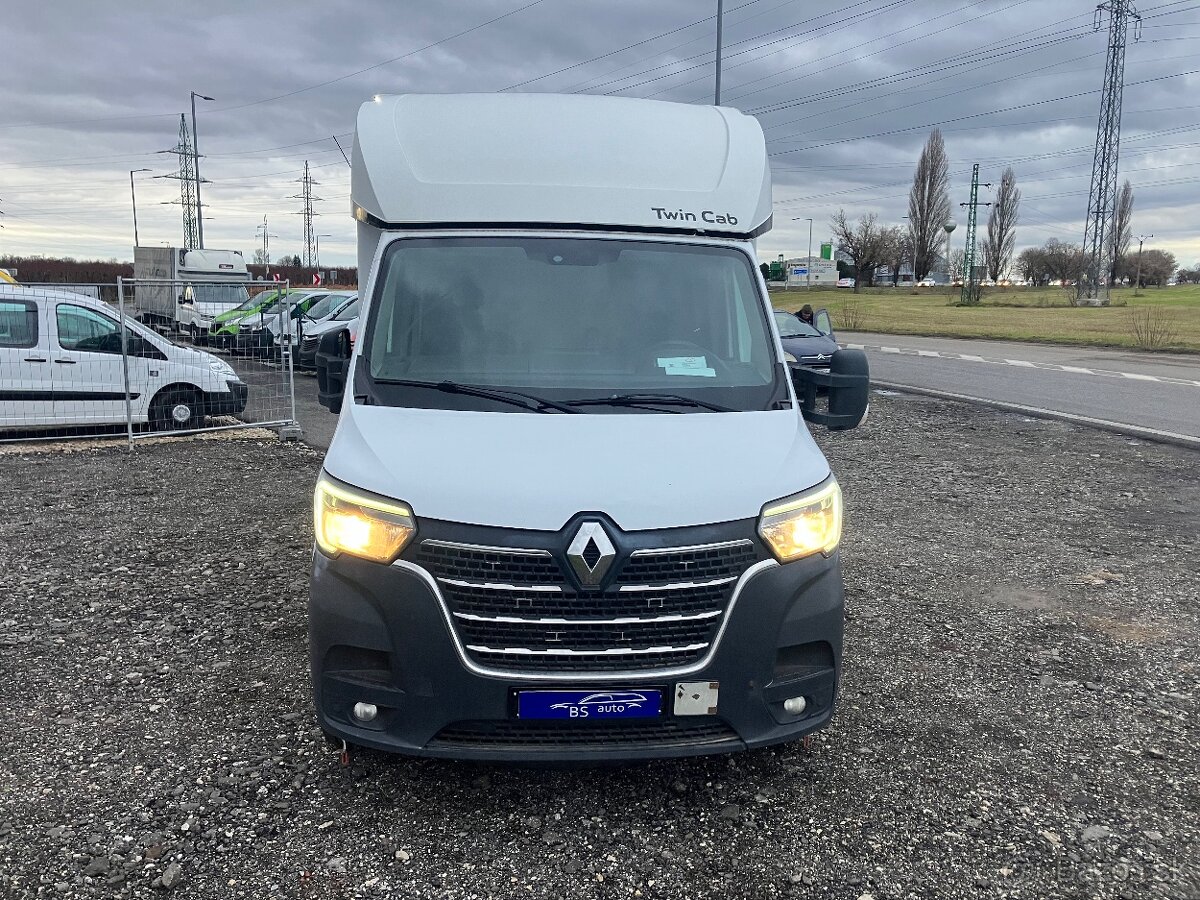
(483, 548)
(657, 620)
(566, 651)
(679, 586)
(692, 548)
(488, 586)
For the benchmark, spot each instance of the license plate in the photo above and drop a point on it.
(589, 705)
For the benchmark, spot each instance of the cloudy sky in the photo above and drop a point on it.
(846, 92)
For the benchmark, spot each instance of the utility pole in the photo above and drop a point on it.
(1137, 285)
(1102, 199)
(720, 25)
(196, 149)
(318, 237)
(310, 254)
(187, 184)
(133, 199)
(968, 295)
(266, 248)
(808, 264)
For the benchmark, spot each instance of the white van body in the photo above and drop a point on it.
(617, 184)
(199, 285)
(61, 364)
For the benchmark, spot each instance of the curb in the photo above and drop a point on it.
(1149, 434)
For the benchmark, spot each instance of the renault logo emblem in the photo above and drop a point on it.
(591, 553)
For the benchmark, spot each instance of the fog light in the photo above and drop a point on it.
(365, 712)
(792, 705)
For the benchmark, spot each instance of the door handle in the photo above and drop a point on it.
(65, 362)
(35, 359)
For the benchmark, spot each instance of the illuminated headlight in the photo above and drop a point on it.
(805, 524)
(349, 521)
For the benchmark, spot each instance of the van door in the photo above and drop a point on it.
(89, 375)
(26, 373)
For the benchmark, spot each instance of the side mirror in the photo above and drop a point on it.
(333, 362)
(848, 384)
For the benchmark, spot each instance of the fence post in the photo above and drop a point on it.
(125, 359)
(291, 431)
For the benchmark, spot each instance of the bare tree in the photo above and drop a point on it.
(1063, 262)
(1002, 227)
(865, 243)
(897, 251)
(1031, 264)
(958, 264)
(1122, 233)
(929, 205)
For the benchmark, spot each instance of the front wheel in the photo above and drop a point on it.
(177, 409)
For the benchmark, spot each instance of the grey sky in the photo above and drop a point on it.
(846, 92)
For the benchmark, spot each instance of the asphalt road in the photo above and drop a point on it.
(1159, 391)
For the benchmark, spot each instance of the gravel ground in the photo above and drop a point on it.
(1018, 717)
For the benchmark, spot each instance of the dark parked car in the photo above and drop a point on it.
(806, 345)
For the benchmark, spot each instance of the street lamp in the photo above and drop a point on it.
(1137, 285)
(133, 199)
(196, 152)
(319, 236)
(949, 227)
(808, 262)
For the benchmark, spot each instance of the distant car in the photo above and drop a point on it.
(845, 282)
(926, 282)
(803, 344)
(347, 318)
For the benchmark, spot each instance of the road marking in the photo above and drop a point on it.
(1027, 364)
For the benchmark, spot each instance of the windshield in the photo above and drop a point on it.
(790, 326)
(233, 295)
(324, 306)
(350, 312)
(570, 319)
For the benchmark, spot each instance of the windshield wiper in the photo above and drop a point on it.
(528, 401)
(645, 399)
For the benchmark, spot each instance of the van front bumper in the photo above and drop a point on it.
(227, 403)
(381, 635)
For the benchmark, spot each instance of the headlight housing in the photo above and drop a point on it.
(221, 367)
(788, 357)
(349, 521)
(808, 523)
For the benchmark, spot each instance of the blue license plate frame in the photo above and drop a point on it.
(590, 705)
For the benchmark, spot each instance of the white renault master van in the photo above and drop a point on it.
(61, 364)
(572, 509)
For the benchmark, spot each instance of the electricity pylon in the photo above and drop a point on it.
(306, 194)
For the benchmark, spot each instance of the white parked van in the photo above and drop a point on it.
(61, 364)
(572, 509)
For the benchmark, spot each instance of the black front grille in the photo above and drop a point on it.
(539, 636)
(536, 736)
(699, 564)
(488, 565)
(678, 598)
(593, 605)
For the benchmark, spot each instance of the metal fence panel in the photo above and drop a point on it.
(215, 356)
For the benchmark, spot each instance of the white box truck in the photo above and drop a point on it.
(186, 289)
(572, 509)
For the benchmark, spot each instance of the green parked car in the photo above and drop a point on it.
(223, 331)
